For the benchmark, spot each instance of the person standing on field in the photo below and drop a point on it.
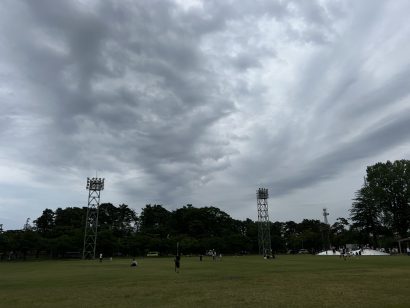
(177, 261)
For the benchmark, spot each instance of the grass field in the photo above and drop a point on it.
(249, 281)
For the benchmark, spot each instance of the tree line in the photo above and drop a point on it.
(380, 213)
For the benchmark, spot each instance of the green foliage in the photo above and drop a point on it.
(155, 220)
(46, 222)
(381, 207)
(340, 233)
(380, 212)
(122, 232)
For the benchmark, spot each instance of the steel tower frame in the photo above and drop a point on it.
(325, 214)
(94, 187)
(264, 240)
(327, 230)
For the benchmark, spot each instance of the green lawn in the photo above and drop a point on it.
(250, 281)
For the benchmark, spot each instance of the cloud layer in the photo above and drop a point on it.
(198, 102)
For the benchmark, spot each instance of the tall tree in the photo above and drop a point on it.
(155, 219)
(339, 232)
(366, 214)
(46, 222)
(383, 201)
(390, 185)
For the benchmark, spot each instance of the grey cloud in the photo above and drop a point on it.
(386, 134)
(331, 127)
(179, 101)
(313, 12)
(217, 14)
(392, 91)
(175, 108)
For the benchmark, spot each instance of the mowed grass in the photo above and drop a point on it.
(248, 281)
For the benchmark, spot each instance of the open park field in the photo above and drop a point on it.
(247, 281)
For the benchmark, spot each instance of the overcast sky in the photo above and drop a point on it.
(201, 102)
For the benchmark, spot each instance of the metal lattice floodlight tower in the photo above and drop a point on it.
(264, 241)
(94, 187)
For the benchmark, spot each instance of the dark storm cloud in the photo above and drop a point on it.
(153, 60)
(121, 83)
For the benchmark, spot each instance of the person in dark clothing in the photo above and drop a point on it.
(177, 263)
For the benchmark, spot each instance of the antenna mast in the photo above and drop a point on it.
(325, 214)
(327, 230)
